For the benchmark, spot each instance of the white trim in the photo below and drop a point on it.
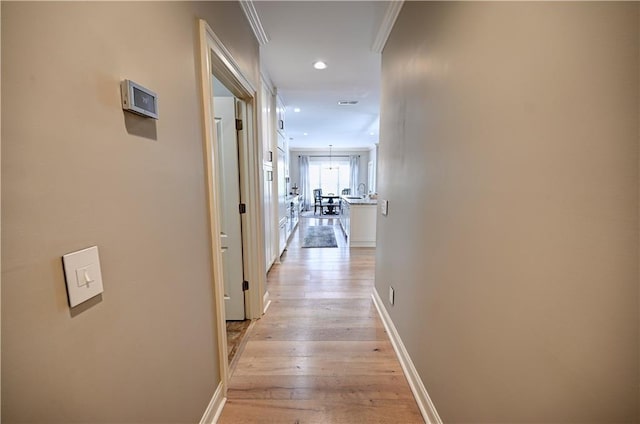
(363, 244)
(0, 239)
(215, 58)
(266, 80)
(254, 21)
(210, 146)
(389, 20)
(224, 62)
(214, 409)
(427, 408)
(266, 301)
(253, 219)
(226, 69)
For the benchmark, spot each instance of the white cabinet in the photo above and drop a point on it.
(286, 219)
(345, 215)
(283, 236)
(294, 214)
(283, 206)
(268, 133)
(282, 186)
(268, 128)
(358, 221)
(269, 230)
(280, 115)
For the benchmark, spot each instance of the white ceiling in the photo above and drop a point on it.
(341, 33)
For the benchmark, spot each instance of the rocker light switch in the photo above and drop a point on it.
(83, 276)
(384, 207)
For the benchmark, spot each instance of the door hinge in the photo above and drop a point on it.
(245, 285)
(238, 124)
(243, 208)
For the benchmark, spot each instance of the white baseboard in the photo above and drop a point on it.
(427, 409)
(214, 409)
(266, 302)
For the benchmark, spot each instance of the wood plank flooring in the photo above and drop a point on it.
(320, 354)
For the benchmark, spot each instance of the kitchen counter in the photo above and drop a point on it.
(358, 220)
(293, 207)
(352, 200)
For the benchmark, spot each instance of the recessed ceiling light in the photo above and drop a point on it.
(296, 109)
(305, 134)
(372, 133)
(347, 102)
(320, 65)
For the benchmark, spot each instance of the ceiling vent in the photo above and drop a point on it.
(347, 102)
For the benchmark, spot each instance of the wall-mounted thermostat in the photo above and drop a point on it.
(139, 100)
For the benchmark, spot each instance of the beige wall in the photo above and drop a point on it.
(509, 155)
(77, 171)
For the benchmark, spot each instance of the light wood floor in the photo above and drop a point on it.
(320, 354)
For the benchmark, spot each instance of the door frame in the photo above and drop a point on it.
(216, 59)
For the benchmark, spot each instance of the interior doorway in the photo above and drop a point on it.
(228, 182)
(228, 113)
(216, 61)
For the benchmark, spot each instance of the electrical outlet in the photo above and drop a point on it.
(391, 295)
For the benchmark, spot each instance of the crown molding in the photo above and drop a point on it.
(389, 19)
(254, 21)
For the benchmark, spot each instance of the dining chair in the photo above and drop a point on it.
(317, 200)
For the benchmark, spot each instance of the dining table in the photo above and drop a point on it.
(331, 205)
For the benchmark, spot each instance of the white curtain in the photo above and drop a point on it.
(305, 188)
(354, 165)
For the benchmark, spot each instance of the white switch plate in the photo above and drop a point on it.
(83, 276)
(384, 207)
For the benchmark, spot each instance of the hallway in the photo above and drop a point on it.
(320, 354)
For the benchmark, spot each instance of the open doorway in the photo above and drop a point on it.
(227, 109)
(228, 184)
(233, 185)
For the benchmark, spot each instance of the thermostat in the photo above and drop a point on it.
(139, 100)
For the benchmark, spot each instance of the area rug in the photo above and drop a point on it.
(319, 236)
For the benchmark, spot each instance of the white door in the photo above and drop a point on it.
(282, 202)
(268, 220)
(230, 222)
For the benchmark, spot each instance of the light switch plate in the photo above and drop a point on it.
(384, 207)
(83, 275)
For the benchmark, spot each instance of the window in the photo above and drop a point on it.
(331, 177)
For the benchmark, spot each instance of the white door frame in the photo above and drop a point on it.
(216, 59)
